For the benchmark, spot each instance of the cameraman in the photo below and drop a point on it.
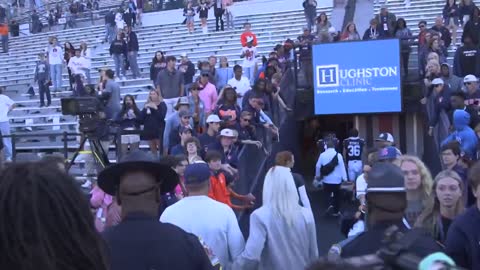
(110, 98)
(386, 204)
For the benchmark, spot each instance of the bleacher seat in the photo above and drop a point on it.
(17, 71)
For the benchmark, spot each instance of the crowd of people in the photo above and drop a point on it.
(175, 206)
(398, 190)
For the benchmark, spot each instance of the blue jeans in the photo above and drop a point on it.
(56, 76)
(132, 59)
(249, 72)
(109, 33)
(119, 65)
(7, 141)
(5, 43)
(89, 78)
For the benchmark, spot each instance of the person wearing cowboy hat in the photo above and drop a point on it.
(225, 145)
(173, 121)
(137, 182)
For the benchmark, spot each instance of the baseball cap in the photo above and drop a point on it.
(184, 113)
(385, 137)
(445, 64)
(185, 129)
(227, 133)
(213, 118)
(197, 173)
(385, 178)
(389, 152)
(184, 54)
(437, 81)
(305, 28)
(431, 259)
(469, 78)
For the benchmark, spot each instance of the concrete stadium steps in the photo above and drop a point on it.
(271, 29)
(151, 41)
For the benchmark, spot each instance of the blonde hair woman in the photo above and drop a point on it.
(418, 184)
(282, 233)
(447, 205)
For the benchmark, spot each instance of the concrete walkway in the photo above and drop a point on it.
(238, 9)
(363, 15)
(338, 13)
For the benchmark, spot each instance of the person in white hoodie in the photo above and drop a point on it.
(282, 232)
(87, 54)
(78, 64)
(331, 172)
(213, 222)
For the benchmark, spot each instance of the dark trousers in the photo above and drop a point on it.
(335, 200)
(219, 18)
(43, 89)
(404, 61)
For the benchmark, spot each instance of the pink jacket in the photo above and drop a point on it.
(108, 211)
(209, 97)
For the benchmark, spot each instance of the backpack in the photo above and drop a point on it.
(330, 166)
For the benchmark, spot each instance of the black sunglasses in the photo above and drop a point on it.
(467, 83)
(205, 75)
(436, 85)
(421, 26)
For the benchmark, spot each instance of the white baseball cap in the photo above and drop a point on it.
(213, 118)
(184, 54)
(470, 78)
(437, 81)
(385, 137)
(227, 133)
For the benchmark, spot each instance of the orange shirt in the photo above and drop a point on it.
(3, 30)
(218, 189)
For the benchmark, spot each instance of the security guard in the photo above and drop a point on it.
(386, 204)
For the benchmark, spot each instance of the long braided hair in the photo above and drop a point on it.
(45, 222)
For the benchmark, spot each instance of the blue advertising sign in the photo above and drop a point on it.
(357, 77)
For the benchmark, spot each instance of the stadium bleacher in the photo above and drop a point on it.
(17, 70)
(417, 11)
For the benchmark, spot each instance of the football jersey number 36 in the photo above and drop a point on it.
(354, 150)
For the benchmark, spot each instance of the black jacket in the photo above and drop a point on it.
(132, 44)
(142, 242)
(118, 47)
(463, 239)
(472, 29)
(446, 36)
(110, 19)
(370, 242)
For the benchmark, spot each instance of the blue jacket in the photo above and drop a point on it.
(463, 133)
(463, 239)
(223, 74)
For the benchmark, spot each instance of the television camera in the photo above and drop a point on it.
(92, 125)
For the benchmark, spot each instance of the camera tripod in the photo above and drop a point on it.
(99, 155)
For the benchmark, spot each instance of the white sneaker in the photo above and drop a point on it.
(87, 184)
